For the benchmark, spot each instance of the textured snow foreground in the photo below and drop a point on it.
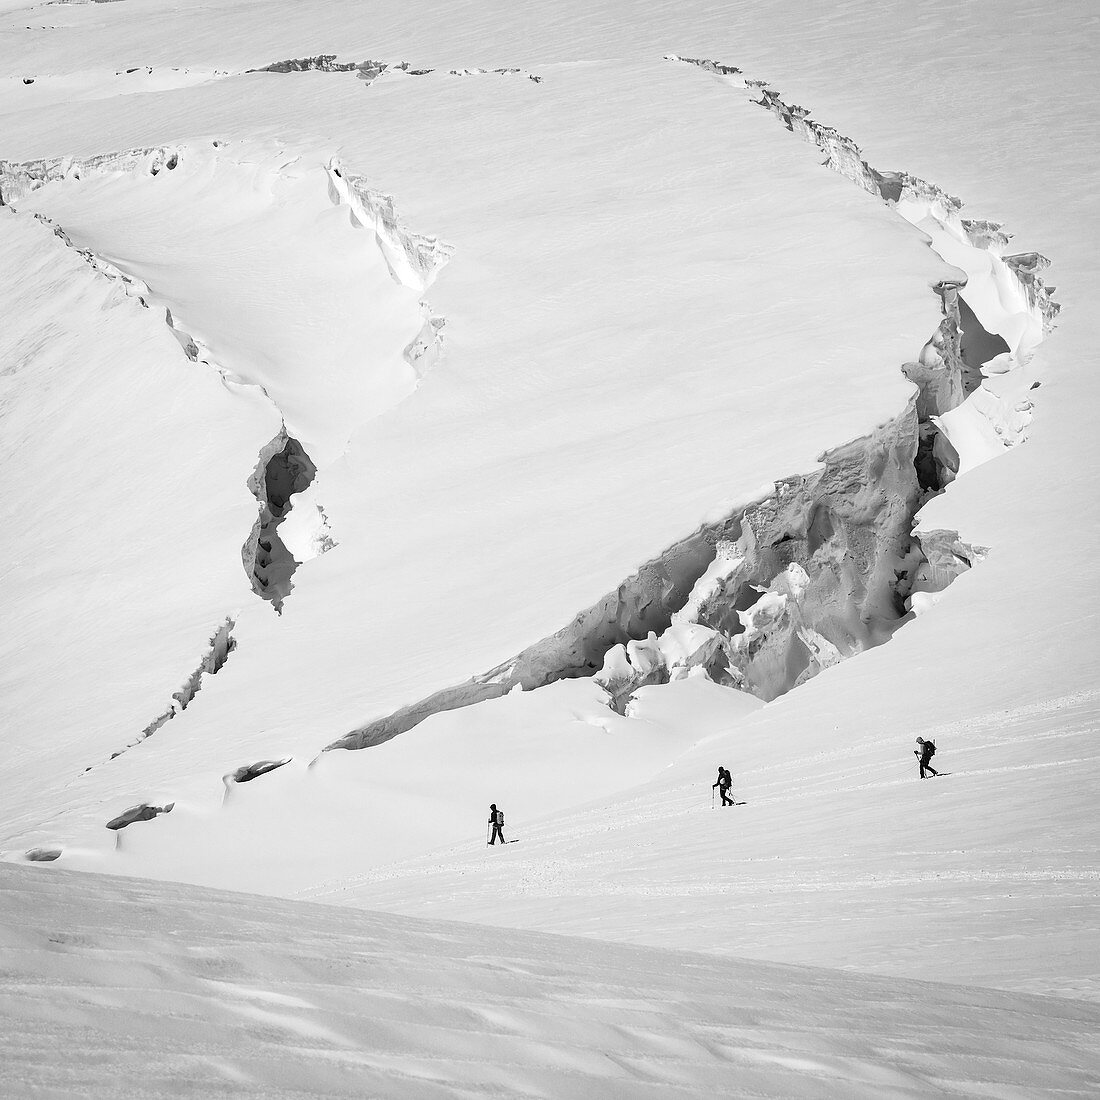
(477, 402)
(257, 996)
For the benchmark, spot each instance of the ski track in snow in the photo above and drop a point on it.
(825, 841)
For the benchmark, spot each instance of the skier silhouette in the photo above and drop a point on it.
(924, 755)
(496, 822)
(725, 781)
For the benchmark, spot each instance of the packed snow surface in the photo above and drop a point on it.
(260, 997)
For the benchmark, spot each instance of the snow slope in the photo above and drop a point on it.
(656, 303)
(564, 380)
(260, 997)
(835, 855)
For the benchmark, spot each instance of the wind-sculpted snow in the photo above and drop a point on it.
(269, 997)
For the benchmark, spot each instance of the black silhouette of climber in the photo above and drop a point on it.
(496, 823)
(725, 781)
(924, 754)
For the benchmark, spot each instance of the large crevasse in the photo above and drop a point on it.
(832, 562)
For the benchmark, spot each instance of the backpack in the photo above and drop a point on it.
(498, 818)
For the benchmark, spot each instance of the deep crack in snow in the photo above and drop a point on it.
(221, 644)
(412, 259)
(830, 563)
(284, 470)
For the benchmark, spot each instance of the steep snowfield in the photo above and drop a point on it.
(613, 369)
(654, 303)
(258, 997)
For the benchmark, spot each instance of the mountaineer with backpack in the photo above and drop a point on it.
(496, 824)
(725, 781)
(924, 755)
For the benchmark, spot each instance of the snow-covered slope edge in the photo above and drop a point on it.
(248, 996)
(279, 542)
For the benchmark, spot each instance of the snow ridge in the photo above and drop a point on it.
(17, 180)
(1004, 293)
(414, 259)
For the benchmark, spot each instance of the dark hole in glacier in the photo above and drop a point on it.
(249, 772)
(42, 855)
(141, 812)
(890, 185)
(819, 530)
(268, 561)
(978, 346)
(929, 471)
(288, 472)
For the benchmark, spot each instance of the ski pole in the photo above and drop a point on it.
(712, 798)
